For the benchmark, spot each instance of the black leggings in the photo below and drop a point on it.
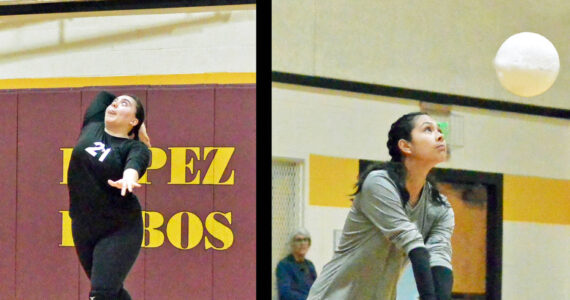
(107, 252)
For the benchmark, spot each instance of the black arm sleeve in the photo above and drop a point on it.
(138, 157)
(419, 258)
(443, 282)
(96, 110)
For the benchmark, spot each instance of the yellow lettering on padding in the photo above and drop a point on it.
(158, 160)
(178, 165)
(66, 158)
(174, 230)
(218, 166)
(219, 231)
(155, 236)
(66, 236)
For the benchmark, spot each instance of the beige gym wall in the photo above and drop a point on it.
(442, 46)
(436, 46)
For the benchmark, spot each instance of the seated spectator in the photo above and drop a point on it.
(295, 273)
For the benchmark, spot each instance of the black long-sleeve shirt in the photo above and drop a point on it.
(98, 157)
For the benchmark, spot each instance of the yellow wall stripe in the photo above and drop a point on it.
(331, 180)
(171, 79)
(533, 199)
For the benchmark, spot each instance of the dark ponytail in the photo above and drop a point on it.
(401, 129)
(139, 115)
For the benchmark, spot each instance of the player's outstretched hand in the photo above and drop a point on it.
(128, 182)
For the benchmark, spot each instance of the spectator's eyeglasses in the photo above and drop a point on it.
(298, 241)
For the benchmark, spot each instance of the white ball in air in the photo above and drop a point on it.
(527, 64)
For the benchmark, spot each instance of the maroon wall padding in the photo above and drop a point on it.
(46, 121)
(235, 127)
(35, 124)
(8, 151)
(179, 117)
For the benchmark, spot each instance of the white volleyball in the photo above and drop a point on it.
(527, 64)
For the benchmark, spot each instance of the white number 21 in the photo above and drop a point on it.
(99, 147)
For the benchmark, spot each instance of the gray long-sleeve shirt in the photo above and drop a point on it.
(377, 236)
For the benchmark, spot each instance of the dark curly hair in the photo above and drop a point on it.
(139, 115)
(401, 129)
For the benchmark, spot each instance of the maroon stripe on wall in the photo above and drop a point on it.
(235, 127)
(8, 152)
(35, 124)
(180, 117)
(46, 120)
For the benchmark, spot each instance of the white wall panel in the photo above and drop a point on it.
(144, 42)
(306, 120)
(442, 46)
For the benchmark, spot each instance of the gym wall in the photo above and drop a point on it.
(433, 46)
(438, 46)
(350, 126)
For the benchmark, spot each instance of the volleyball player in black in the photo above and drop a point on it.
(111, 154)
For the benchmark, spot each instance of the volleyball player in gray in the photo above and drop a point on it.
(397, 216)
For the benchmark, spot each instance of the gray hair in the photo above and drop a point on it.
(299, 231)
